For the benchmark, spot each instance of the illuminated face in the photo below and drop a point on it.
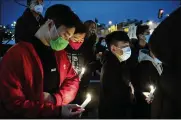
(78, 37)
(117, 49)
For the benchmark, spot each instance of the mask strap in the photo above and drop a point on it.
(49, 35)
(56, 30)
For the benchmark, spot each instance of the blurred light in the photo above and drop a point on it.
(150, 23)
(110, 22)
(167, 15)
(14, 22)
(12, 25)
(88, 96)
(83, 70)
(161, 11)
(4, 27)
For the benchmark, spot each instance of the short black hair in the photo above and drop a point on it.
(62, 15)
(141, 29)
(29, 2)
(80, 28)
(116, 36)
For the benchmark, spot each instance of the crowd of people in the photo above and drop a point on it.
(139, 78)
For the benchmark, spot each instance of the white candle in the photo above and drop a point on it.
(86, 102)
(81, 74)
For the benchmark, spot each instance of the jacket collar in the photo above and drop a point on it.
(145, 57)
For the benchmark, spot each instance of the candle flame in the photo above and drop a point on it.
(152, 89)
(83, 70)
(89, 96)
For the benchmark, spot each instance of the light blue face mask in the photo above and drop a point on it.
(103, 43)
(147, 38)
(157, 61)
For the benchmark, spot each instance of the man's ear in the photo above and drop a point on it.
(113, 48)
(50, 24)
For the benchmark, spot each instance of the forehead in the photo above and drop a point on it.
(63, 28)
(79, 34)
(122, 43)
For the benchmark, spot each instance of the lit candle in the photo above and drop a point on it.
(86, 102)
(82, 72)
(152, 89)
(149, 94)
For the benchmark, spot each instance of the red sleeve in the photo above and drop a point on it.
(12, 95)
(69, 87)
(75, 45)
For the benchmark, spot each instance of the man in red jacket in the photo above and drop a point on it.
(36, 78)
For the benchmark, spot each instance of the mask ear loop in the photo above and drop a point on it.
(56, 30)
(49, 34)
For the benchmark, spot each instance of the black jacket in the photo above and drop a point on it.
(115, 96)
(147, 72)
(88, 49)
(165, 42)
(26, 26)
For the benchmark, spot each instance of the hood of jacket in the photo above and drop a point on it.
(144, 56)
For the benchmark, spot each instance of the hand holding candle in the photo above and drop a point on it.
(86, 102)
(149, 95)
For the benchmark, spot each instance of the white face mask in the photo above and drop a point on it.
(38, 8)
(126, 54)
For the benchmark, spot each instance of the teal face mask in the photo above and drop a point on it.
(59, 43)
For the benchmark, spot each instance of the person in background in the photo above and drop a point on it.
(31, 20)
(166, 46)
(36, 77)
(75, 43)
(87, 60)
(148, 73)
(88, 53)
(101, 45)
(116, 94)
(78, 38)
(142, 34)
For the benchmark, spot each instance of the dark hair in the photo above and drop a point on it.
(100, 40)
(115, 37)
(62, 15)
(141, 29)
(88, 23)
(29, 2)
(80, 28)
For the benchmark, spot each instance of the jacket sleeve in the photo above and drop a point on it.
(75, 45)
(69, 87)
(146, 76)
(12, 95)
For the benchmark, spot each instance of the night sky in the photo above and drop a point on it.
(115, 11)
